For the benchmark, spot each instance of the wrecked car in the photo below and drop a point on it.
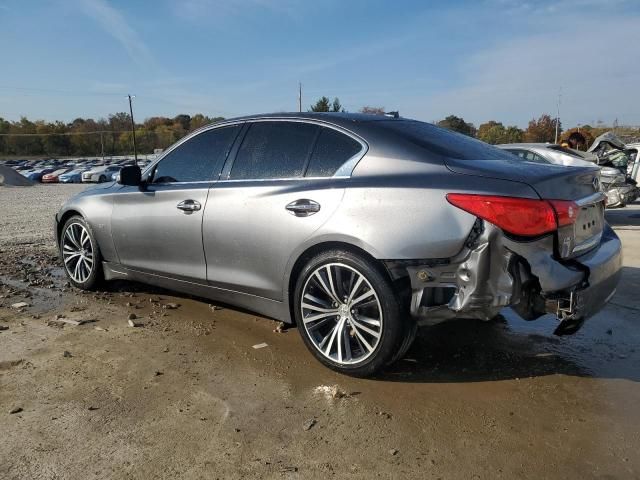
(357, 228)
(619, 189)
(617, 161)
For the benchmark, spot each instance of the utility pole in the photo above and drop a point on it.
(133, 130)
(300, 97)
(102, 145)
(558, 116)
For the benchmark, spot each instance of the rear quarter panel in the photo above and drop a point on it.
(405, 215)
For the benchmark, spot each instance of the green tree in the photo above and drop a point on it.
(513, 134)
(542, 130)
(372, 110)
(457, 124)
(495, 133)
(325, 105)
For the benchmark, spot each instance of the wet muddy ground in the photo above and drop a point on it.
(185, 395)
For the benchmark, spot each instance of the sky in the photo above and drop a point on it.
(503, 60)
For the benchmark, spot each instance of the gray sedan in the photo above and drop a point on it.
(356, 228)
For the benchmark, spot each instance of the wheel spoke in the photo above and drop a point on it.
(370, 321)
(358, 326)
(366, 294)
(333, 290)
(355, 288)
(313, 318)
(308, 296)
(334, 333)
(308, 306)
(339, 339)
(362, 339)
(324, 287)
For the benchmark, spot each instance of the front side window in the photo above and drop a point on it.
(331, 151)
(197, 159)
(274, 150)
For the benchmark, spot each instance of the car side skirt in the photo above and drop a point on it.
(263, 306)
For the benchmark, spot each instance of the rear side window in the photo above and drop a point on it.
(446, 143)
(331, 151)
(197, 159)
(274, 150)
(528, 155)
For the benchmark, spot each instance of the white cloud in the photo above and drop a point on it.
(115, 24)
(596, 63)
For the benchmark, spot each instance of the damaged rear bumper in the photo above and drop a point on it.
(493, 272)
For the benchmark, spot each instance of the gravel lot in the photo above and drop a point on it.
(184, 394)
(27, 212)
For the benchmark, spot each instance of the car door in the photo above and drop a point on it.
(158, 228)
(280, 188)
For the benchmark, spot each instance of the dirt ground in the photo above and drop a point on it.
(185, 394)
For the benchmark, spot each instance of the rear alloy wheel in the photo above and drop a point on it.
(348, 313)
(80, 254)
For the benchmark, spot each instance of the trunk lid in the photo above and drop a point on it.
(552, 182)
(549, 181)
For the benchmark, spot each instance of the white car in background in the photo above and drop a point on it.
(100, 174)
(612, 181)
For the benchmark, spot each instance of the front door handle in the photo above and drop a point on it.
(189, 206)
(303, 207)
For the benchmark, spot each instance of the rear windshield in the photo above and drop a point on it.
(445, 142)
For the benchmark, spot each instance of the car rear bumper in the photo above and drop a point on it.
(493, 272)
(602, 270)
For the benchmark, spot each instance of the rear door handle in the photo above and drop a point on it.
(303, 207)
(189, 206)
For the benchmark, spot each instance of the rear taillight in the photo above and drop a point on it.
(519, 216)
(566, 211)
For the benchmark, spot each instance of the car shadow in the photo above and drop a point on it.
(506, 348)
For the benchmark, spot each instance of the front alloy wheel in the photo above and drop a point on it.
(349, 314)
(80, 254)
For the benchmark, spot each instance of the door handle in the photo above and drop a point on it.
(189, 206)
(303, 207)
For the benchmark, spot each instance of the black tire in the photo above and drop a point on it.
(96, 275)
(102, 179)
(397, 330)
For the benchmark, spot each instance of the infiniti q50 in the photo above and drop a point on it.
(357, 228)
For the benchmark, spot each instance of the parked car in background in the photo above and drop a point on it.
(612, 182)
(73, 176)
(53, 177)
(36, 175)
(100, 174)
(355, 227)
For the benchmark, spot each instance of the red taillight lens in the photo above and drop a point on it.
(518, 216)
(566, 211)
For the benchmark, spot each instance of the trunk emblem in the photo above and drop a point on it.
(596, 184)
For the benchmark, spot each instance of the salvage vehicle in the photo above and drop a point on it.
(611, 152)
(618, 188)
(357, 228)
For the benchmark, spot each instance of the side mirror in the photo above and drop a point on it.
(131, 176)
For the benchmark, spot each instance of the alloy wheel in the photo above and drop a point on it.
(341, 313)
(77, 252)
